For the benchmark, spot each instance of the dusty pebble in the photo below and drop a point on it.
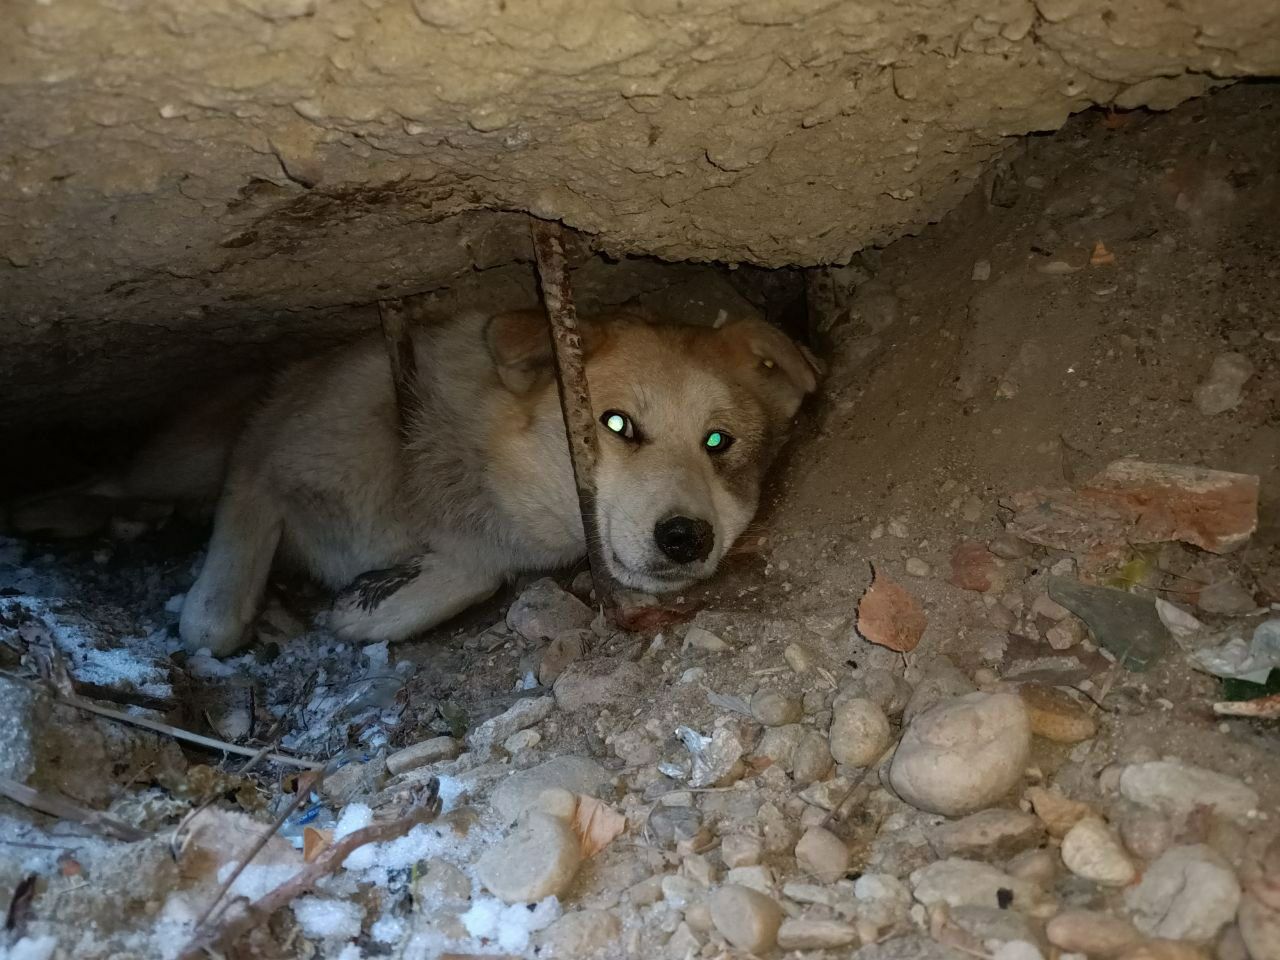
(774, 708)
(798, 657)
(779, 744)
(859, 732)
(544, 611)
(1147, 833)
(1089, 850)
(521, 740)
(698, 638)
(1058, 813)
(598, 682)
(1188, 893)
(994, 834)
(957, 882)
(942, 680)
(538, 859)
(747, 918)
(823, 855)
(1035, 866)
(811, 759)
(1090, 932)
(1223, 387)
(740, 850)
(981, 270)
(757, 876)
(579, 934)
(520, 715)
(963, 754)
(421, 754)
(1177, 789)
(1008, 547)
(807, 934)
(918, 568)
(1056, 716)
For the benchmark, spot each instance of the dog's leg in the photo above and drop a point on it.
(403, 600)
(224, 599)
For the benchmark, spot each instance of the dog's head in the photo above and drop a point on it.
(688, 421)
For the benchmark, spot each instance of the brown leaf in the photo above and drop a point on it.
(314, 843)
(890, 616)
(596, 824)
(69, 866)
(973, 567)
(650, 619)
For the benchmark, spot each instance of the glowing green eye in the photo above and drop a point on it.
(717, 441)
(619, 423)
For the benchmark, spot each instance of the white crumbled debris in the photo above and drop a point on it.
(256, 880)
(378, 654)
(350, 952)
(387, 929)
(174, 604)
(203, 666)
(510, 927)
(31, 948)
(355, 817)
(324, 919)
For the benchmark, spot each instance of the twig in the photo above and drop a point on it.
(1263, 708)
(404, 363)
(305, 786)
(157, 726)
(834, 815)
(305, 880)
(575, 394)
(61, 807)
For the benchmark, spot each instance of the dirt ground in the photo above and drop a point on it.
(1061, 320)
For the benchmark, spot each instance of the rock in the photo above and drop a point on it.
(1089, 850)
(1045, 606)
(779, 744)
(974, 567)
(941, 681)
(353, 780)
(698, 638)
(538, 859)
(890, 692)
(521, 740)
(1226, 598)
(992, 925)
(1188, 893)
(544, 611)
(994, 834)
(558, 802)
(716, 759)
(740, 850)
(520, 791)
(963, 754)
(1123, 623)
(1017, 950)
(683, 944)
(1006, 546)
(1065, 635)
(671, 825)
(959, 883)
(779, 834)
(598, 682)
(1176, 789)
(812, 758)
(756, 876)
(440, 879)
(1092, 933)
(1164, 950)
(909, 947)
(579, 934)
(520, 715)
(680, 891)
(859, 732)
(634, 747)
(1035, 866)
(563, 650)
(774, 708)
(1056, 716)
(1259, 928)
(798, 657)
(822, 855)
(807, 934)
(1058, 813)
(748, 919)
(1223, 387)
(917, 567)
(1132, 502)
(421, 754)
(1146, 832)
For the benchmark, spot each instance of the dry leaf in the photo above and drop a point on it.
(596, 824)
(69, 866)
(314, 843)
(973, 567)
(890, 616)
(650, 619)
(1101, 256)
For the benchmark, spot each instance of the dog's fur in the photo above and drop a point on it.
(413, 529)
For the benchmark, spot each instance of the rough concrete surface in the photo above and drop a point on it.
(197, 172)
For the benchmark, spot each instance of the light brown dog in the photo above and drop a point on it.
(414, 529)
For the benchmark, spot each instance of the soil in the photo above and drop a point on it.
(986, 356)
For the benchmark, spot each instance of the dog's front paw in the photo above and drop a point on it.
(204, 627)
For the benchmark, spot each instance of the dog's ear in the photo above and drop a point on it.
(519, 343)
(775, 354)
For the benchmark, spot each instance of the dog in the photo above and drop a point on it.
(413, 521)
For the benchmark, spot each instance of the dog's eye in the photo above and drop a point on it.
(717, 441)
(618, 423)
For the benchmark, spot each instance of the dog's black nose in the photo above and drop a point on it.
(684, 539)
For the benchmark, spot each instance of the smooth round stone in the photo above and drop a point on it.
(579, 934)
(538, 859)
(747, 918)
(1056, 716)
(822, 855)
(1091, 851)
(805, 934)
(963, 754)
(859, 732)
(812, 758)
(774, 708)
(1090, 932)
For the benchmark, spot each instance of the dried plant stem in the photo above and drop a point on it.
(575, 394)
(58, 806)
